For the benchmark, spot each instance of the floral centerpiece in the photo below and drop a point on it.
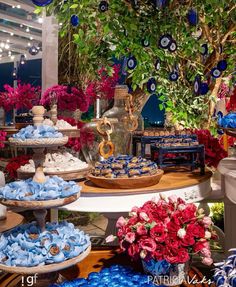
(67, 98)
(164, 233)
(24, 96)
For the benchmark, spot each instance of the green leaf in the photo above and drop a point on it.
(74, 6)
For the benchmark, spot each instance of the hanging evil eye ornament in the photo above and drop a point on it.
(192, 17)
(74, 20)
(151, 85)
(173, 46)
(215, 72)
(222, 65)
(103, 6)
(204, 88)
(220, 132)
(165, 41)
(197, 85)
(204, 49)
(33, 50)
(173, 76)
(159, 4)
(42, 3)
(131, 63)
(158, 65)
(145, 43)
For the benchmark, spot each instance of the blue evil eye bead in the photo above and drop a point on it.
(173, 46)
(33, 50)
(204, 88)
(158, 65)
(220, 132)
(165, 41)
(131, 63)
(145, 43)
(173, 76)
(197, 84)
(204, 49)
(216, 73)
(103, 6)
(192, 17)
(151, 85)
(159, 4)
(74, 20)
(42, 3)
(222, 65)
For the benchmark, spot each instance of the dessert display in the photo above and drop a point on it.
(57, 162)
(124, 166)
(116, 275)
(29, 190)
(27, 246)
(125, 171)
(225, 274)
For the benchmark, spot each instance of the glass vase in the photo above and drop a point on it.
(164, 273)
(121, 137)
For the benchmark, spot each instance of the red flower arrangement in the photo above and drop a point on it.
(24, 96)
(105, 86)
(214, 151)
(166, 230)
(65, 100)
(15, 163)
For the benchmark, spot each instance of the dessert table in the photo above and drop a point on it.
(191, 186)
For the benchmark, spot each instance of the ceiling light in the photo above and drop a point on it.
(7, 46)
(0, 55)
(13, 6)
(2, 45)
(18, 6)
(40, 20)
(12, 57)
(12, 34)
(29, 44)
(27, 29)
(21, 25)
(14, 74)
(31, 38)
(0, 50)
(8, 41)
(22, 59)
(60, 24)
(9, 53)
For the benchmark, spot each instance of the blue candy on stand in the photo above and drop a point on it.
(151, 85)
(103, 6)
(74, 20)
(225, 274)
(42, 3)
(114, 276)
(222, 65)
(192, 17)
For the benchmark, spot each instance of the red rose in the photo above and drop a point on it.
(159, 252)
(179, 255)
(148, 244)
(130, 237)
(172, 241)
(133, 251)
(158, 232)
(172, 226)
(189, 213)
(122, 231)
(196, 230)
(200, 245)
(141, 230)
(188, 240)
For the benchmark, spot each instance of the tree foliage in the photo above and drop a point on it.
(121, 30)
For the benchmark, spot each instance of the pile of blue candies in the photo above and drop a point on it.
(115, 276)
(37, 132)
(225, 273)
(28, 190)
(228, 121)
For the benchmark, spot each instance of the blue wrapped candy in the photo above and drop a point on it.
(115, 276)
(29, 190)
(25, 246)
(37, 132)
(225, 273)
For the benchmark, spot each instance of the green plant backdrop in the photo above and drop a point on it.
(120, 31)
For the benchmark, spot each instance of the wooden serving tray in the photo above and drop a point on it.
(127, 183)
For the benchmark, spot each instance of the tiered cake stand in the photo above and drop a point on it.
(47, 273)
